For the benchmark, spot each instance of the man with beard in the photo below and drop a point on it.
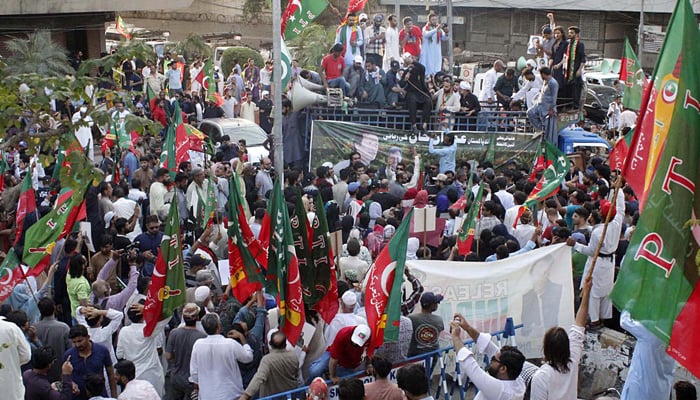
(500, 381)
(573, 70)
(375, 38)
(416, 92)
(372, 89)
(354, 75)
(350, 36)
(265, 107)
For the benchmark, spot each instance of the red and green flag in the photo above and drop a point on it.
(3, 168)
(206, 78)
(246, 274)
(619, 152)
(283, 267)
(632, 74)
(26, 203)
(167, 289)
(121, 28)
(539, 164)
(209, 203)
(383, 291)
(301, 234)
(10, 274)
(653, 283)
(557, 165)
(42, 236)
(299, 14)
(176, 143)
(466, 235)
(326, 285)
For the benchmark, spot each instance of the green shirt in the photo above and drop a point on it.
(78, 289)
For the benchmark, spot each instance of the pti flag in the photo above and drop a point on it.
(10, 274)
(246, 275)
(176, 143)
(205, 77)
(619, 152)
(26, 203)
(121, 28)
(632, 75)
(383, 292)
(42, 236)
(301, 235)
(557, 165)
(653, 283)
(299, 14)
(326, 285)
(283, 268)
(466, 236)
(167, 289)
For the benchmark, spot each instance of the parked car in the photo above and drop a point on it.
(237, 129)
(598, 98)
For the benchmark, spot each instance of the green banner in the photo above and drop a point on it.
(333, 141)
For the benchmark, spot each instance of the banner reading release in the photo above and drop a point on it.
(333, 141)
(534, 288)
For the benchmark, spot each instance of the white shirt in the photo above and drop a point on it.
(214, 367)
(139, 390)
(157, 194)
(505, 198)
(391, 47)
(248, 111)
(103, 335)
(340, 321)
(487, 92)
(523, 233)
(143, 352)
(628, 118)
(604, 272)
(229, 107)
(12, 358)
(530, 90)
(511, 217)
(124, 207)
(489, 387)
(549, 384)
(84, 133)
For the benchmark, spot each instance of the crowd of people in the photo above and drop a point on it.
(77, 331)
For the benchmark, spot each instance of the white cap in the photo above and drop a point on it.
(201, 293)
(265, 93)
(327, 164)
(405, 55)
(464, 85)
(362, 16)
(361, 334)
(108, 218)
(349, 298)
(358, 59)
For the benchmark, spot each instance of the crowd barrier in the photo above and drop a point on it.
(488, 120)
(443, 359)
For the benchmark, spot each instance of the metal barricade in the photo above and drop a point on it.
(447, 389)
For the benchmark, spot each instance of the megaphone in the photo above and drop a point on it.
(307, 84)
(302, 97)
(522, 63)
(605, 67)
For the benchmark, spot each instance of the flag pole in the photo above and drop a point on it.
(277, 144)
(618, 184)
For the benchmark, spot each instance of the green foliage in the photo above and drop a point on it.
(312, 45)
(27, 96)
(252, 8)
(241, 54)
(193, 46)
(37, 54)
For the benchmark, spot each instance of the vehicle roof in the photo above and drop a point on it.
(239, 128)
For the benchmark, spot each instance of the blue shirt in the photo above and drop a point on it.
(95, 363)
(131, 164)
(446, 154)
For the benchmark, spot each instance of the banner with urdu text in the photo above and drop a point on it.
(333, 141)
(534, 288)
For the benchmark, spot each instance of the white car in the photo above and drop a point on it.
(237, 129)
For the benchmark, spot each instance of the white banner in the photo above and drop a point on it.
(535, 288)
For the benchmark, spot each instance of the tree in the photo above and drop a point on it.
(25, 104)
(312, 45)
(37, 54)
(241, 54)
(193, 46)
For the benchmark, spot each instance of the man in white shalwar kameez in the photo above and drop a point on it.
(431, 52)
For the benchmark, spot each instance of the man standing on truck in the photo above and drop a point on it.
(545, 106)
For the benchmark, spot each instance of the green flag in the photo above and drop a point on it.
(299, 14)
(632, 75)
(556, 167)
(176, 133)
(10, 274)
(167, 289)
(210, 203)
(280, 227)
(286, 65)
(300, 232)
(208, 81)
(652, 283)
(383, 292)
(466, 236)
